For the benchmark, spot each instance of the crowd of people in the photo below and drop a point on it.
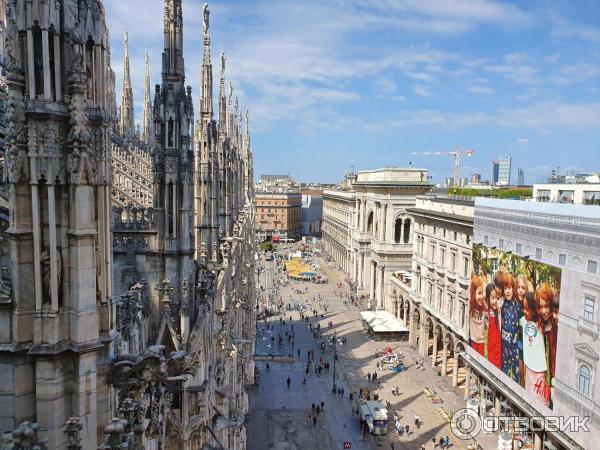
(318, 360)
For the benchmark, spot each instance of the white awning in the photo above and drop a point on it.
(383, 322)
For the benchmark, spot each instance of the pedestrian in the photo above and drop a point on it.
(447, 442)
(369, 376)
(342, 392)
(422, 446)
(441, 442)
(433, 442)
(392, 446)
(360, 391)
(318, 409)
(268, 368)
(322, 405)
(417, 422)
(407, 429)
(314, 421)
(288, 383)
(313, 407)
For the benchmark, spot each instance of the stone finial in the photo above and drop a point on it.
(25, 437)
(72, 429)
(113, 430)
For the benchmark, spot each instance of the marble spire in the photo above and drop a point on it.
(127, 123)
(206, 90)
(222, 126)
(147, 119)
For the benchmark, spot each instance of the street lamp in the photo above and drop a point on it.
(334, 388)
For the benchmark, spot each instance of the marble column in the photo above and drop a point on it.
(382, 289)
(402, 231)
(436, 335)
(425, 339)
(372, 275)
(445, 356)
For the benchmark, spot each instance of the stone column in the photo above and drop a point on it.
(405, 311)
(377, 290)
(436, 335)
(382, 288)
(445, 357)
(361, 270)
(401, 231)
(496, 405)
(412, 331)
(46, 64)
(425, 338)
(372, 276)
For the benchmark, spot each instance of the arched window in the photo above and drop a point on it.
(585, 379)
(406, 231)
(370, 223)
(397, 230)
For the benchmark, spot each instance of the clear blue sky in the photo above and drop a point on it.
(332, 84)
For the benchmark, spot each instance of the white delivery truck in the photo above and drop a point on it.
(375, 415)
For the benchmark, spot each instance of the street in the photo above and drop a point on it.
(279, 417)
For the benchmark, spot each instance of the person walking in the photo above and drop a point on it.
(407, 430)
(417, 422)
(441, 442)
(314, 421)
(289, 382)
(322, 405)
(369, 376)
(433, 442)
(268, 368)
(313, 407)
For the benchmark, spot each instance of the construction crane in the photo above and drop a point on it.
(456, 154)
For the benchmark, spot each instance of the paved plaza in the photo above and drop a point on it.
(279, 418)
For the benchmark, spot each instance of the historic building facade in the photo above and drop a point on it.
(432, 299)
(278, 215)
(338, 213)
(378, 238)
(133, 326)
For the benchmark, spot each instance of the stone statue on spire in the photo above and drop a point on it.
(230, 91)
(206, 14)
(222, 64)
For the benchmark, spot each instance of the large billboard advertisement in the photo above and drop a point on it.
(513, 311)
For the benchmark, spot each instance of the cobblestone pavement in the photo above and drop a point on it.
(275, 410)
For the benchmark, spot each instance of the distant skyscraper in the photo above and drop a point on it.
(475, 178)
(520, 177)
(504, 169)
(495, 172)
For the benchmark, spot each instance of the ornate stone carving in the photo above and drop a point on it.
(46, 274)
(26, 437)
(71, 430)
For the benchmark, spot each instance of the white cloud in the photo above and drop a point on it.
(522, 141)
(422, 90)
(553, 58)
(481, 89)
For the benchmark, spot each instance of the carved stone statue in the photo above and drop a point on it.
(222, 64)
(206, 15)
(46, 274)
